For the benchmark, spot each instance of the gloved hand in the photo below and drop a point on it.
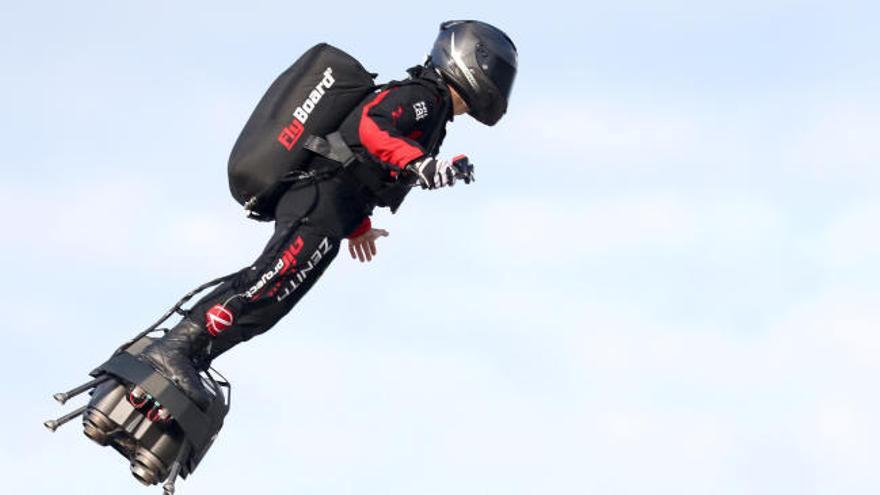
(434, 173)
(464, 169)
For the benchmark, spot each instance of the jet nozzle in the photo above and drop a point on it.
(63, 397)
(54, 424)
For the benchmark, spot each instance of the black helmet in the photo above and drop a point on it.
(479, 61)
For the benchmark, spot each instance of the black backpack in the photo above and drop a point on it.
(311, 98)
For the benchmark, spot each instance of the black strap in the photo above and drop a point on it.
(332, 147)
(260, 206)
(198, 426)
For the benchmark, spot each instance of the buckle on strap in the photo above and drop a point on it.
(332, 147)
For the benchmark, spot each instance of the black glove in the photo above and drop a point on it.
(464, 169)
(434, 173)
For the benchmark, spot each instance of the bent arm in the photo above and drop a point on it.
(387, 127)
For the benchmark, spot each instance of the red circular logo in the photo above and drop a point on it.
(218, 319)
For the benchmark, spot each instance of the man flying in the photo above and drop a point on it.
(395, 134)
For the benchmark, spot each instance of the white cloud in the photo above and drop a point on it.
(852, 238)
(836, 140)
(124, 220)
(72, 219)
(695, 408)
(572, 230)
(586, 132)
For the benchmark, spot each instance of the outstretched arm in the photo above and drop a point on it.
(363, 247)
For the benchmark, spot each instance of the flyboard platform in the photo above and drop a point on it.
(144, 416)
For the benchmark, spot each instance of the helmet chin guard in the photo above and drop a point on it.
(480, 62)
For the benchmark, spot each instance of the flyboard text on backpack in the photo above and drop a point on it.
(291, 134)
(311, 98)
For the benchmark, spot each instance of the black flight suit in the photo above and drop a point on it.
(400, 123)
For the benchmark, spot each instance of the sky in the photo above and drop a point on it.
(664, 281)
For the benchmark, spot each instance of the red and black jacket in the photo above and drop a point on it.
(400, 123)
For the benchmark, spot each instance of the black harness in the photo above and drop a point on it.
(372, 174)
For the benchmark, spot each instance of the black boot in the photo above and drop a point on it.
(179, 356)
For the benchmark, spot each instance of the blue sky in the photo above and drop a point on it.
(664, 281)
